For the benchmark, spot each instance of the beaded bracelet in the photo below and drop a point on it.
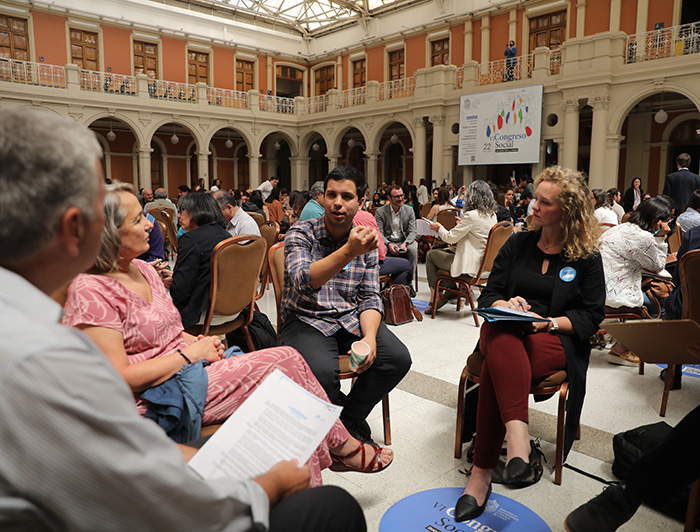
(184, 356)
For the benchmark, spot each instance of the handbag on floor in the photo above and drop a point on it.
(398, 307)
(536, 456)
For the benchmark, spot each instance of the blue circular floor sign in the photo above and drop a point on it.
(433, 510)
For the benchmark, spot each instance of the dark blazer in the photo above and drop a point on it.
(628, 198)
(192, 274)
(679, 187)
(582, 300)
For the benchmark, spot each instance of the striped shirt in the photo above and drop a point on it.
(338, 303)
(73, 443)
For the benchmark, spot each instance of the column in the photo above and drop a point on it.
(642, 16)
(615, 11)
(569, 157)
(254, 171)
(612, 161)
(419, 150)
(270, 74)
(599, 137)
(203, 167)
(144, 177)
(485, 39)
(468, 43)
(513, 26)
(663, 163)
(235, 172)
(300, 173)
(371, 171)
(580, 18)
(438, 122)
(333, 159)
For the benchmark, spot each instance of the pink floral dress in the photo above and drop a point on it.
(153, 328)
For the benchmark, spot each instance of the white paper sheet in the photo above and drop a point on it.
(279, 421)
(423, 227)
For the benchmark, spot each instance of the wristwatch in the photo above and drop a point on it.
(554, 327)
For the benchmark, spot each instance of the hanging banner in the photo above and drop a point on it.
(500, 127)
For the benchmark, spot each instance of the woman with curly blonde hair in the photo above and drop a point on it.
(555, 272)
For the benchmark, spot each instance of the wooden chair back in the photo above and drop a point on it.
(447, 218)
(625, 217)
(498, 235)
(275, 261)
(674, 240)
(269, 230)
(425, 209)
(235, 273)
(605, 226)
(690, 284)
(163, 214)
(259, 218)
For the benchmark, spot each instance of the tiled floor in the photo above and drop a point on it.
(423, 425)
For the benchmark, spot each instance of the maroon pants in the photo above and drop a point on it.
(513, 361)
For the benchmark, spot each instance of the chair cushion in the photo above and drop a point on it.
(637, 311)
(465, 278)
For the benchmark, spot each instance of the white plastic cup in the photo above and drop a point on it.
(359, 351)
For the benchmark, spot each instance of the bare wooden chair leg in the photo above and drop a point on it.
(386, 419)
(559, 459)
(691, 515)
(668, 384)
(460, 412)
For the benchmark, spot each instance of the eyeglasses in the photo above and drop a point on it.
(398, 196)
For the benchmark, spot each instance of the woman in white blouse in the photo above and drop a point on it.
(628, 250)
(603, 213)
(470, 235)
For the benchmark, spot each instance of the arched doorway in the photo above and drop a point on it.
(118, 142)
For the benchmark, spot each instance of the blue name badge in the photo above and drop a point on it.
(567, 274)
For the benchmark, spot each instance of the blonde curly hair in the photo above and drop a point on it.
(580, 227)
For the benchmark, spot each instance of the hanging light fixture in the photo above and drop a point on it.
(394, 138)
(351, 143)
(315, 146)
(174, 139)
(111, 135)
(229, 142)
(276, 145)
(661, 116)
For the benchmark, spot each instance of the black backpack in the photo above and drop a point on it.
(261, 331)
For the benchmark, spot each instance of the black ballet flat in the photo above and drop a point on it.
(467, 508)
(518, 473)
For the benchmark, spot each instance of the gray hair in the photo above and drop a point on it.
(316, 189)
(161, 193)
(224, 197)
(47, 165)
(107, 256)
(479, 197)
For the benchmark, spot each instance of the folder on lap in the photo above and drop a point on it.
(658, 341)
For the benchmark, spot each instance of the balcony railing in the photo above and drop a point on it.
(505, 70)
(276, 104)
(353, 97)
(397, 88)
(555, 61)
(32, 73)
(172, 90)
(107, 82)
(317, 104)
(459, 78)
(227, 98)
(666, 42)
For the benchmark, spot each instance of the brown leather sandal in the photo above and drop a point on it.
(339, 462)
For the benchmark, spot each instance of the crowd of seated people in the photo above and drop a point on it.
(337, 244)
(123, 306)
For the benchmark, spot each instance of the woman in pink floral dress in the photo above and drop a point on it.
(125, 309)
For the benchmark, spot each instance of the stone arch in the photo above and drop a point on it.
(383, 124)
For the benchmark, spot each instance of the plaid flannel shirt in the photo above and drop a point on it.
(340, 301)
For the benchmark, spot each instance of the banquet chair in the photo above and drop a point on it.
(259, 218)
(690, 285)
(558, 382)
(235, 272)
(163, 214)
(498, 234)
(275, 258)
(269, 230)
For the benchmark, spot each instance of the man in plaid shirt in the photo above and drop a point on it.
(331, 299)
